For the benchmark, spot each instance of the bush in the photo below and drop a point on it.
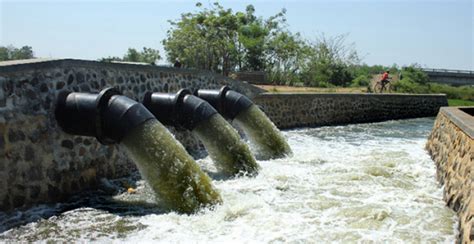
(361, 80)
(463, 92)
(408, 86)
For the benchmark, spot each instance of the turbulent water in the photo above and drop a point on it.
(226, 149)
(262, 133)
(357, 183)
(168, 169)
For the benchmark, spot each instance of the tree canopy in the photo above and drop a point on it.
(13, 53)
(224, 41)
(147, 55)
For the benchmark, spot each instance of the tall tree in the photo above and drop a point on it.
(220, 40)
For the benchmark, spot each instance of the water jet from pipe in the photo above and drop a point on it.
(225, 147)
(257, 126)
(162, 161)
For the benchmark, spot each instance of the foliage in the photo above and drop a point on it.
(147, 55)
(361, 80)
(462, 92)
(329, 62)
(414, 80)
(13, 53)
(220, 40)
(287, 54)
(459, 102)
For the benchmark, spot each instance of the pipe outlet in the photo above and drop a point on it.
(229, 103)
(181, 109)
(108, 116)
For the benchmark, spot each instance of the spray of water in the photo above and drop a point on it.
(224, 145)
(263, 134)
(368, 183)
(169, 170)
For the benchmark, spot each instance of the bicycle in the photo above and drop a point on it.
(380, 86)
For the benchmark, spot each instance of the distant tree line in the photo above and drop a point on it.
(146, 55)
(13, 53)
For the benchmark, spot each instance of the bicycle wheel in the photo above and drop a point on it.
(378, 88)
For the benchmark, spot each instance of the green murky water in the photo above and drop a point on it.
(263, 134)
(170, 171)
(225, 147)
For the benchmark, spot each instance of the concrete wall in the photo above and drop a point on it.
(451, 145)
(311, 109)
(39, 162)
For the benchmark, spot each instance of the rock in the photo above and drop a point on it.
(67, 144)
(29, 153)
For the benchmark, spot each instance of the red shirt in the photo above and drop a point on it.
(385, 76)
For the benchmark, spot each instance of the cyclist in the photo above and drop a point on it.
(385, 78)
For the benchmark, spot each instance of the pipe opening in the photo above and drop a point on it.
(227, 102)
(180, 110)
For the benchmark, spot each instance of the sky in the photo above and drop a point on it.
(432, 33)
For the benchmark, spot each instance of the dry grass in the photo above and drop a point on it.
(283, 89)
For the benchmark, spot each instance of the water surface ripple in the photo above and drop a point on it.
(355, 183)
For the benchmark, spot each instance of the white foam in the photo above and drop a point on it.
(357, 183)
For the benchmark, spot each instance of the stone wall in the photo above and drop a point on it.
(451, 145)
(39, 162)
(312, 109)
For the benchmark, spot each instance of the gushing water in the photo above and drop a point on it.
(178, 181)
(368, 183)
(225, 147)
(263, 134)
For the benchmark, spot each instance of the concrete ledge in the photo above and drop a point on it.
(460, 118)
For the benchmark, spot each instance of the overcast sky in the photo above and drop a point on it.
(437, 34)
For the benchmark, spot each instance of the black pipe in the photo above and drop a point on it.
(181, 109)
(228, 102)
(108, 115)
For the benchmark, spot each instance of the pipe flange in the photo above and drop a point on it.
(222, 92)
(101, 105)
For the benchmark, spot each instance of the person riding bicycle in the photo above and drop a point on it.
(385, 78)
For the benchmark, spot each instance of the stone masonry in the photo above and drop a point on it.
(41, 163)
(312, 109)
(451, 145)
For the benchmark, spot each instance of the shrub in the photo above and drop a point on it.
(361, 80)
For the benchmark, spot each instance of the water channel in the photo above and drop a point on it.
(354, 183)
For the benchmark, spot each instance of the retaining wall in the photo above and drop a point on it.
(318, 109)
(39, 162)
(451, 145)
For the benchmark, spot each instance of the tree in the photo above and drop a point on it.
(287, 54)
(220, 40)
(147, 55)
(329, 62)
(13, 53)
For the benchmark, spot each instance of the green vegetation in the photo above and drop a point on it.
(147, 55)
(13, 53)
(224, 41)
(416, 81)
(458, 102)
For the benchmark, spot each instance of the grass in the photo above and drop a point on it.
(280, 89)
(459, 102)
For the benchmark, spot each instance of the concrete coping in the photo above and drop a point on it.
(269, 94)
(462, 119)
(34, 64)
